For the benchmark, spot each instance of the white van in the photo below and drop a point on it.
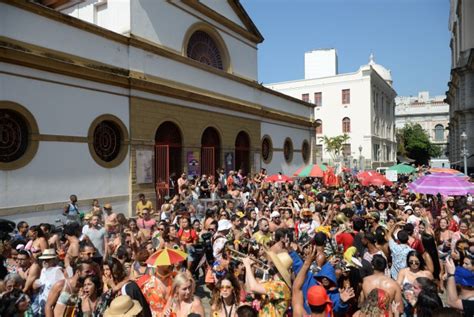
(381, 170)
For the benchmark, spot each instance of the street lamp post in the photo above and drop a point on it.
(360, 157)
(464, 150)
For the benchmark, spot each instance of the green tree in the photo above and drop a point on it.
(414, 142)
(335, 144)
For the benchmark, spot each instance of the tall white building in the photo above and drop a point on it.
(460, 95)
(360, 104)
(431, 113)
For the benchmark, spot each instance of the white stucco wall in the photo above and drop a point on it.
(153, 21)
(35, 29)
(111, 14)
(223, 8)
(278, 133)
(61, 168)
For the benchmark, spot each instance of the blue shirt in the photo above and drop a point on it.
(399, 257)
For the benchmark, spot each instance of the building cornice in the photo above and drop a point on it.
(28, 55)
(251, 33)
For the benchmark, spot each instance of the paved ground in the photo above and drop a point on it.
(203, 292)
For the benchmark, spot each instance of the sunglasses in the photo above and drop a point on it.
(88, 253)
(414, 262)
(226, 287)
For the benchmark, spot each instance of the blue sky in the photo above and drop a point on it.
(409, 37)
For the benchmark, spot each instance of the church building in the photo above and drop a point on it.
(107, 99)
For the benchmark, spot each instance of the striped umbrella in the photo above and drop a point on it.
(443, 183)
(313, 170)
(445, 170)
(166, 257)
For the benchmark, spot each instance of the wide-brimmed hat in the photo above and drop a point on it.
(123, 306)
(48, 254)
(401, 202)
(283, 263)
(88, 216)
(107, 206)
(223, 225)
(306, 212)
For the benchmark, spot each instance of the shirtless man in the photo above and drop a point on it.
(71, 231)
(379, 280)
(28, 269)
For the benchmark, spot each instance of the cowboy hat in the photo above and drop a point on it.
(123, 306)
(48, 254)
(401, 202)
(283, 263)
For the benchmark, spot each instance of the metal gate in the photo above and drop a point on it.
(208, 160)
(162, 171)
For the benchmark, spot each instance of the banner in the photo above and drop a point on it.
(144, 166)
(193, 164)
(391, 175)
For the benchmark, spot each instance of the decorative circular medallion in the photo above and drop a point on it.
(288, 150)
(305, 151)
(13, 135)
(202, 48)
(107, 140)
(267, 149)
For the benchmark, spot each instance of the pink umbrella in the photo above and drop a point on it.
(443, 183)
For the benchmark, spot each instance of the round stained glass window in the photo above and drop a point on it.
(288, 150)
(267, 149)
(107, 140)
(13, 135)
(202, 48)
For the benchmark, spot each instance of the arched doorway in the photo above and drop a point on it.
(168, 153)
(242, 152)
(210, 151)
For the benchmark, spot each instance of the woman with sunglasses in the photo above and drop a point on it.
(226, 297)
(406, 277)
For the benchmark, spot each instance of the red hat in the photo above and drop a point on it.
(318, 296)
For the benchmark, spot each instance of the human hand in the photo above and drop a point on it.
(346, 293)
(394, 307)
(247, 261)
(310, 254)
(449, 265)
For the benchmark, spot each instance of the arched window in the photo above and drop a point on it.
(439, 132)
(346, 125)
(319, 126)
(202, 48)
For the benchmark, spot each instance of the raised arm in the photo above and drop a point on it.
(297, 293)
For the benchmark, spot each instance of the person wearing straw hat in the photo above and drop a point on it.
(123, 306)
(277, 290)
(50, 274)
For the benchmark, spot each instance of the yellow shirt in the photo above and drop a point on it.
(141, 206)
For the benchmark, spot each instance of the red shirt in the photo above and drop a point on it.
(187, 236)
(346, 239)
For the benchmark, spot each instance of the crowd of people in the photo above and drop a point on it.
(259, 248)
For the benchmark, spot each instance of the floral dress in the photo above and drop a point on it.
(276, 301)
(156, 293)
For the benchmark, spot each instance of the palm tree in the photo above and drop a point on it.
(334, 145)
